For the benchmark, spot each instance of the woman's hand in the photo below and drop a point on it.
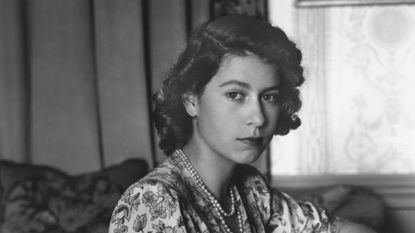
(350, 227)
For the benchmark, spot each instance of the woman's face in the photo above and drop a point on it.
(237, 113)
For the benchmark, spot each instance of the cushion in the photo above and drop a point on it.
(363, 206)
(43, 199)
(328, 197)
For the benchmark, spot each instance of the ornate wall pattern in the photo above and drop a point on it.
(358, 113)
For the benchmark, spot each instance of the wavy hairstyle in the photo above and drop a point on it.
(201, 59)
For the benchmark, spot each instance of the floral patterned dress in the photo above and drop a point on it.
(168, 200)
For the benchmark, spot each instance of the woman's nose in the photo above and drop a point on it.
(256, 115)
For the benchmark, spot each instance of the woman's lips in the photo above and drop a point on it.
(251, 141)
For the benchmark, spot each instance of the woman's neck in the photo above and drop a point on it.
(215, 170)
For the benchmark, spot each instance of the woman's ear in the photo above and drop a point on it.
(190, 102)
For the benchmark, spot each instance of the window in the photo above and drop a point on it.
(358, 99)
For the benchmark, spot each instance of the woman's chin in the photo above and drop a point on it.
(248, 158)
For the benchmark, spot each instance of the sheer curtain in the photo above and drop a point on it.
(358, 112)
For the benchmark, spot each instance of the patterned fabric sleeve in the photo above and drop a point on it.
(147, 208)
(289, 216)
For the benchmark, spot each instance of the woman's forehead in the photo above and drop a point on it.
(249, 68)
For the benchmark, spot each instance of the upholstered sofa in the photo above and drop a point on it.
(44, 199)
(41, 199)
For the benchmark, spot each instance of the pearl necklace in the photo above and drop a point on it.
(216, 205)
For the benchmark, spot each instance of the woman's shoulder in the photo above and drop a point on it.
(150, 201)
(159, 179)
(146, 189)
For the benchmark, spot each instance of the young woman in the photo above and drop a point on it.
(232, 89)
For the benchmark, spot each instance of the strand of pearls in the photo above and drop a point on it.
(201, 184)
(218, 208)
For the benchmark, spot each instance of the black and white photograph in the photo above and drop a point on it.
(207, 116)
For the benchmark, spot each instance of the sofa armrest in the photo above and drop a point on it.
(355, 203)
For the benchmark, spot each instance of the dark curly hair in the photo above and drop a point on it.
(201, 59)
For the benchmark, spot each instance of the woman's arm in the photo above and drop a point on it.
(147, 208)
(305, 217)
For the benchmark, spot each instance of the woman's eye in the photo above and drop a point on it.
(272, 98)
(234, 95)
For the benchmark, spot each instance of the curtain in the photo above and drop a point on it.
(76, 77)
(358, 114)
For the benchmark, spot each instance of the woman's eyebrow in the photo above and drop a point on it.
(235, 82)
(247, 86)
(276, 88)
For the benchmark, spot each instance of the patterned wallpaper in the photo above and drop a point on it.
(359, 97)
